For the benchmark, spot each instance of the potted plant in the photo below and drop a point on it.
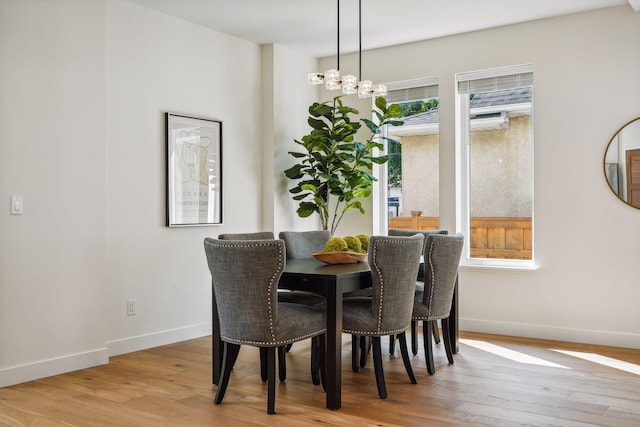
(334, 171)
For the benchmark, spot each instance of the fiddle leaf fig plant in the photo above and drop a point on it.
(334, 171)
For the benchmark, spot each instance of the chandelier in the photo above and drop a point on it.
(350, 84)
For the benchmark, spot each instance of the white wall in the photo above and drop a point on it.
(285, 101)
(85, 85)
(157, 63)
(52, 143)
(586, 241)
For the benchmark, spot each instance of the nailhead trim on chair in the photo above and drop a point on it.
(270, 296)
(274, 343)
(432, 276)
(373, 333)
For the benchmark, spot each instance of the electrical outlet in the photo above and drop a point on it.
(131, 307)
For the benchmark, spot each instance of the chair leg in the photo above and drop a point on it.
(414, 337)
(282, 363)
(405, 357)
(436, 335)
(315, 364)
(392, 345)
(377, 366)
(355, 345)
(322, 357)
(289, 347)
(446, 336)
(365, 348)
(263, 364)
(271, 380)
(228, 358)
(428, 349)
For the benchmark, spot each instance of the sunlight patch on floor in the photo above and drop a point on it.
(603, 360)
(510, 354)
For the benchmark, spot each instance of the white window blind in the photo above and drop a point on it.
(475, 83)
(412, 90)
(412, 94)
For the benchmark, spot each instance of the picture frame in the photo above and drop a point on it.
(194, 170)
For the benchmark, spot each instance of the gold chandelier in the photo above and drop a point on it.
(350, 84)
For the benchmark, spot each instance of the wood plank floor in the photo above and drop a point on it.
(171, 386)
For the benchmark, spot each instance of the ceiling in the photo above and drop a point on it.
(310, 26)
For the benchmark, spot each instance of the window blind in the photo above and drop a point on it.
(490, 84)
(409, 94)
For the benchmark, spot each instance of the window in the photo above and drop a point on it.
(410, 177)
(495, 137)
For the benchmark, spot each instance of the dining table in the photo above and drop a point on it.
(332, 281)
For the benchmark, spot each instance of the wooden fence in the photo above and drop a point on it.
(504, 238)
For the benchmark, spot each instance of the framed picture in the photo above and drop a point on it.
(194, 171)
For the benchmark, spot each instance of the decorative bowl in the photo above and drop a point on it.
(341, 257)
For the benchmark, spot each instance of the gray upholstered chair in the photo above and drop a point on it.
(283, 296)
(260, 235)
(303, 244)
(282, 365)
(245, 275)
(419, 287)
(300, 245)
(394, 266)
(441, 259)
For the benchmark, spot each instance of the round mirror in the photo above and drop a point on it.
(622, 163)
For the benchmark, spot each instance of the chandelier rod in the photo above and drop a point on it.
(338, 38)
(359, 40)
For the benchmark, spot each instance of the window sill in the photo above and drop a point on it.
(499, 265)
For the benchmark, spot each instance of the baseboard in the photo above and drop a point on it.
(583, 336)
(155, 339)
(46, 368)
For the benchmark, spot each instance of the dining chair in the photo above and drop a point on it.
(300, 245)
(419, 287)
(303, 244)
(441, 259)
(283, 296)
(260, 235)
(245, 275)
(394, 266)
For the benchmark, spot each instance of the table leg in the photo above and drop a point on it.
(453, 321)
(334, 347)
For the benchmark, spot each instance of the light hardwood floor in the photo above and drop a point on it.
(171, 386)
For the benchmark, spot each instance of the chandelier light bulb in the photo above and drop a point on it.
(380, 90)
(315, 78)
(332, 79)
(349, 84)
(365, 88)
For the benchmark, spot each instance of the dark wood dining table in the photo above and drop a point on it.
(332, 281)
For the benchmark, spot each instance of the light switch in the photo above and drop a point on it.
(16, 205)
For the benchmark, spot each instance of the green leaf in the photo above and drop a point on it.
(309, 187)
(297, 155)
(294, 172)
(372, 126)
(381, 103)
(356, 204)
(395, 122)
(316, 124)
(380, 160)
(307, 209)
(394, 111)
